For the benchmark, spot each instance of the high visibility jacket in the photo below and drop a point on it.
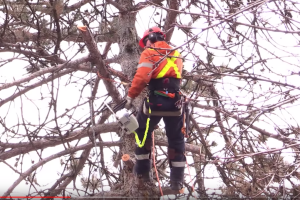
(170, 66)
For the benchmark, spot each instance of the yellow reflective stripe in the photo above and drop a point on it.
(170, 63)
(178, 75)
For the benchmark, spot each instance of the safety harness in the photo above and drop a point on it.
(183, 104)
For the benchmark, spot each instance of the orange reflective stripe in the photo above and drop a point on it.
(170, 63)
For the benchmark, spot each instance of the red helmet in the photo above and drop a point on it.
(154, 29)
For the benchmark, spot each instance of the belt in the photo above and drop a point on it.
(165, 84)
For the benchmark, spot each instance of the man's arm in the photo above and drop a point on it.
(142, 76)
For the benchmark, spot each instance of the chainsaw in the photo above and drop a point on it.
(127, 121)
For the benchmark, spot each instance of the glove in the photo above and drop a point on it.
(128, 104)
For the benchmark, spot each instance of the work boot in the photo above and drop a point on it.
(143, 178)
(176, 178)
(142, 171)
(176, 185)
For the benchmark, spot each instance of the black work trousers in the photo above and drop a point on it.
(176, 146)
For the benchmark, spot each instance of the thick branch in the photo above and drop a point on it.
(47, 35)
(171, 18)
(72, 64)
(116, 59)
(25, 147)
(30, 87)
(76, 5)
(188, 147)
(98, 61)
(41, 52)
(115, 4)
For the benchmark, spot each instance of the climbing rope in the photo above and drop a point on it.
(153, 146)
(193, 190)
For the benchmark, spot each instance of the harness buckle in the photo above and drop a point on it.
(166, 90)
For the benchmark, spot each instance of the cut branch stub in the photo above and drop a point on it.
(127, 161)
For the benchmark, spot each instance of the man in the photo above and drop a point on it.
(163, 74)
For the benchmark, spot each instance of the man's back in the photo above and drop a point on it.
(154, 64)
(157, 54)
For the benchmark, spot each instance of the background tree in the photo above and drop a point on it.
(241, 76)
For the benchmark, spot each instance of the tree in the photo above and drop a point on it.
(241, 70)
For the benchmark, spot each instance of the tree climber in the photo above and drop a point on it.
(162, 74)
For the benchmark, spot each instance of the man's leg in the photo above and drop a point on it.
(143, 154)
(176, 150)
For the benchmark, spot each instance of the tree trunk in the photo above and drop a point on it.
(130, 53)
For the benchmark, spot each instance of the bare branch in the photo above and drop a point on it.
(115, 4)
(171, 18)
(45, 160)
(53, 141)
(97, 59)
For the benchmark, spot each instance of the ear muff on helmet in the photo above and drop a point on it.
(154, 37)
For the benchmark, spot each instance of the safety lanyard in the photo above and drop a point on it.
(138, 142)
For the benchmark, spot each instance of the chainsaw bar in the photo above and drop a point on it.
(119, 106)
